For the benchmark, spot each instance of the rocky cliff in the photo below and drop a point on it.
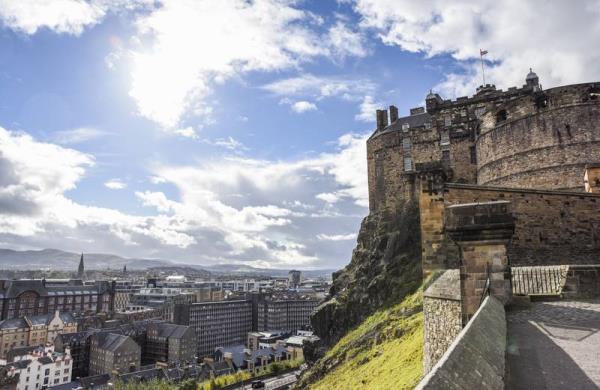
(385, 267)
(372, 320)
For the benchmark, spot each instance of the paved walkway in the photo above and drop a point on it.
(554, 345)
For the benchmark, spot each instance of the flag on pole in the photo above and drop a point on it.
(482, 52)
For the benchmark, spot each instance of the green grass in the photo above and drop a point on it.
(270, 369)
(384, 352)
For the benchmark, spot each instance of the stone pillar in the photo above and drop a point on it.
(438, 253)
(591, 178)
(482, 231)
(431, 209)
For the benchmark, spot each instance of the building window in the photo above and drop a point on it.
(445, 139)
(501, 116)
(445, 155)
(405, 127)
(473, 153)
(447, 121)
(406, 145)
(408, 164)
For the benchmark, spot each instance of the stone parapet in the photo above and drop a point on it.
(443, 318)
(475, 359)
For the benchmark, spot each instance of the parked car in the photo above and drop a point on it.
(258, 385)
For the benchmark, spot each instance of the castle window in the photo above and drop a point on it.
(428, 125)
(406, 145)
(405, 127)
(501, 116)
(445, 139)
(473, 153)
(445, 155)
(447, 121)
(408, 164)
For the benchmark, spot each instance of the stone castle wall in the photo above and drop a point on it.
(523, 137)
(541, 145)
(443, 316)
(551, 227)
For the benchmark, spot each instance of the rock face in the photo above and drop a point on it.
(385, 266)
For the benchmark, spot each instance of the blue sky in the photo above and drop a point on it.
(234, 131)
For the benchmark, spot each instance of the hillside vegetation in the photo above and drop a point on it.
(384, 352)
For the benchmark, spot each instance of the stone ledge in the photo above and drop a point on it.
(446, 286)
(476, 358)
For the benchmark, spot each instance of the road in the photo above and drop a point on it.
(276, 382)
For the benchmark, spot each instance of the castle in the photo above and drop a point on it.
(502, 180)
(523, 138)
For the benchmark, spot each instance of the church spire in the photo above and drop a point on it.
(80, 270)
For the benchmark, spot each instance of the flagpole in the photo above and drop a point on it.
(481, 53)
(482, 69)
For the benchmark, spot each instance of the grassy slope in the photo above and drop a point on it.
(384, 352)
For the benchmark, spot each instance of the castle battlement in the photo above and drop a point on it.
(522, 137)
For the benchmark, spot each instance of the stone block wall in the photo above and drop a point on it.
(443, 318)
(546, 149)
(551, 227)
(475, 360)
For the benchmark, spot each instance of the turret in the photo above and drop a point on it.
(532, 79)
(432, 102)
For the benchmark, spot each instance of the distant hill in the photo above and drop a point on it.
(68, 261)
(62, 260)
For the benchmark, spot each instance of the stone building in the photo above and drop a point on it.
(170, 343)
(217, 324)
(78, 343)
(41, 368)
(294, 278)
(285, 314)
(34, 330)
(112, 353)
(520, 138)
(23, 297)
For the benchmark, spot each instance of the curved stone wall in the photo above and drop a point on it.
(543, 148)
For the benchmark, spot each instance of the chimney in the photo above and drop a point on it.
(382, 119)
(393, 114)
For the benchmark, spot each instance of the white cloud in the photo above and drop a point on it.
(328, 197)
(187, 132)
(346, 41)
(303, 106)
(367, 109)
(78, 135)
(175, 73)
(230, 209)
(556, 38)
(320, 87)
(60, 16)
(34, 179)
(230, 143)
(115, 184)
(336, 237)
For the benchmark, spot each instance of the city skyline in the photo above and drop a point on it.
(236, 133)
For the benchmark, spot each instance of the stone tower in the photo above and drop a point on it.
(80, 269)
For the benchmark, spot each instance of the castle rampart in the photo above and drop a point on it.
(522, 138)
(545, 142)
